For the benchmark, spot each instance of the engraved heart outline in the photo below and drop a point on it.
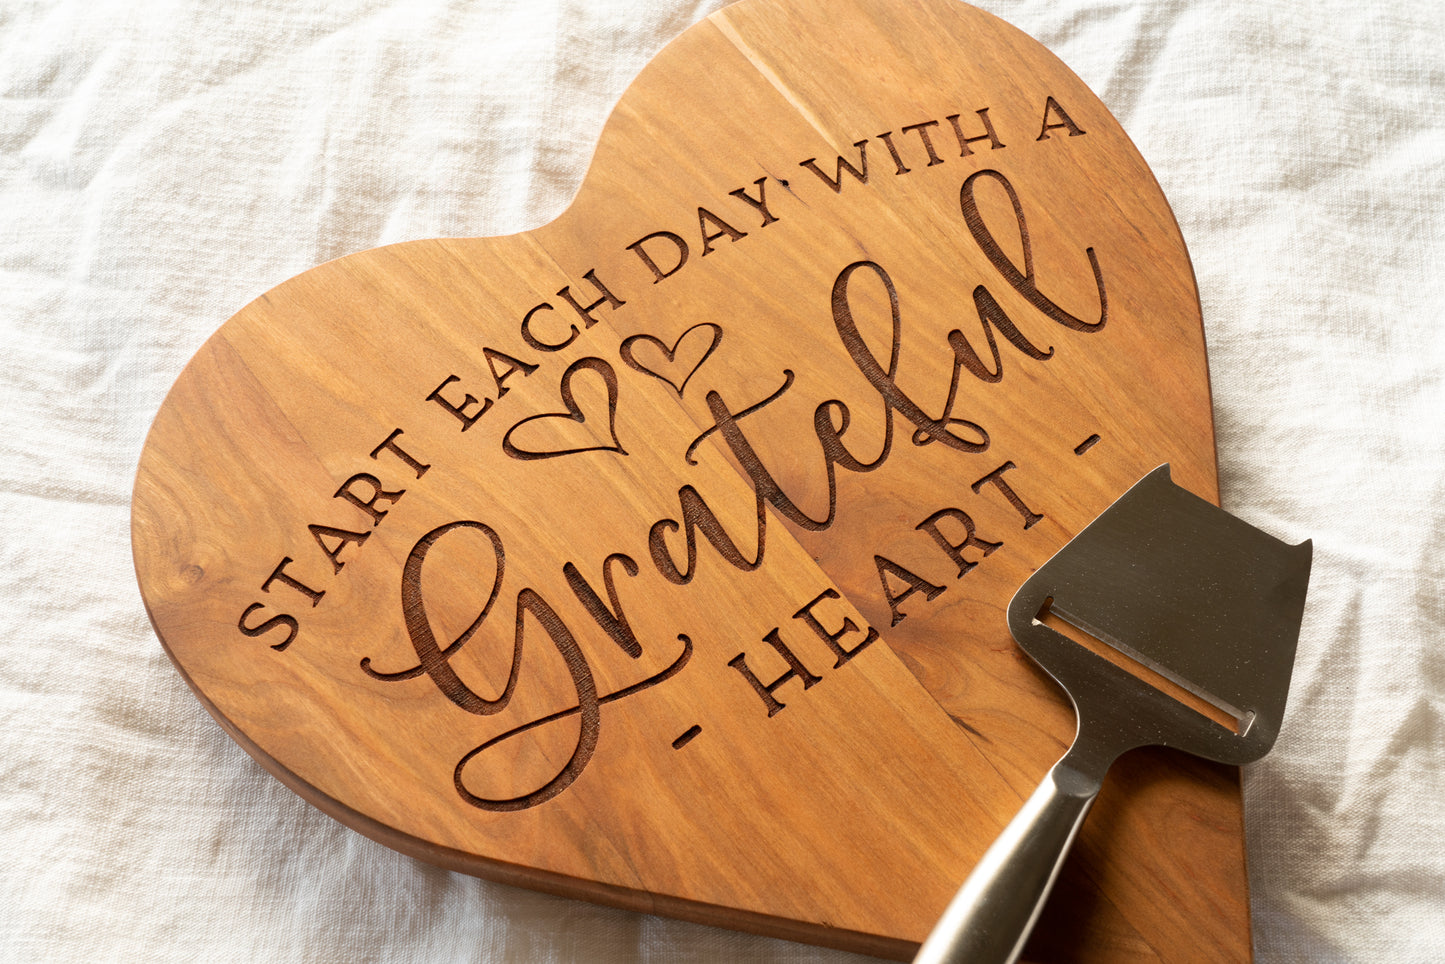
(573, 413)
(671, 353)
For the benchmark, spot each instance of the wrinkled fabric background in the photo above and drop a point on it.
(162, 162)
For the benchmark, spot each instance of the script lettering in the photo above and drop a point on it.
(800, 488)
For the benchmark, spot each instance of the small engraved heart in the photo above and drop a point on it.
(670, 354)
(573, 413)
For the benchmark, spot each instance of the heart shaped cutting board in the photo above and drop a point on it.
(659, 556)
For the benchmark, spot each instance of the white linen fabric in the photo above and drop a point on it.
(162, 162)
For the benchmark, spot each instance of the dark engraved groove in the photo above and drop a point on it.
(613, 621)
(990, 315)
(626, 352)
(787, 384)
(836, 183)
(764, 484)
(884, 380)
(587, 704)
(590, 710)
(418, 627)
(697, 516)
(1086, 444)
(275, 622)
(573, 413)
(1024, 283)
(687, 737)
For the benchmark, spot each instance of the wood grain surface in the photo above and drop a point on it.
(659, 556)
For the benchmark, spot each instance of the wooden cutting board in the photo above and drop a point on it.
(658, 556)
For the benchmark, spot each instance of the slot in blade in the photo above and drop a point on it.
(1232, 719)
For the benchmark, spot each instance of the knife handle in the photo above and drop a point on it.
(990, 918)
